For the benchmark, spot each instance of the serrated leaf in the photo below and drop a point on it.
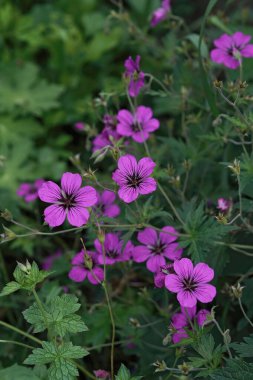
(9, 288)
(244, 349)
(124, 374)
(28, 280)
(60, 316)
(60, 359)
(17, 372)
(234, 370)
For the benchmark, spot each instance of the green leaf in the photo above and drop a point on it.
(17, 372)
(234, 370)
(11, 287)
(60, 316)
(28, 279)
(60, 358)
(124, 374)
(244, 349)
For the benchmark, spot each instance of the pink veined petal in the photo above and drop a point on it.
(146, 166)
(159, 279)
(152, 125)
(135, 86)
(140, 136)
(155, 262)
(107, 260)
(143, 114)
(98, 246)
(125, 117)
(201, 316)
(168, 235)
(119, 177)
(78, 259)
(86, 197)
(224, 42)
(127, 164)
(179, 335)
(77, 274)
(187, 298)
(125, 129)
(49, 192)
(127, 252)
(189, 312)
(148, 236)
(54, 215)
(111, 211)
(112, 242)
(173, 283)
(183, 268)
(205, 293)
(31, 197)
(158, 16)
(108, 197)
(231, 62)
(77, 216)
(140, 253)
(70, 182)
(240, 39)
(179, 320)
(173, 252)
(203, 273)
(217, 55)
(147, 186)
(96, 276)
(128, 194)
(247, 51)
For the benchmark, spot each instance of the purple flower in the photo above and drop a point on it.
(85, 264)
(134, 178)
(224, 204)
(160, 275)
(29, 191)
(137, 125)
(68, 201)
(105, 204)
(160, 14)
(191, 283)
(48, 261)
(134, 75)
(230, 49)
(79, 126)
(157, 247)
(108, 136)
(181, 321)
(114, 251)
(101, 374)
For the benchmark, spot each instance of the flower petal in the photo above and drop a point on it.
(54, 215)
(108, 197)
(146, 166)
(168, 235)
(140, 136)
(143, 114)
(240, 39)
(203, 273)
(173, 251)
(147, 186)
(111, 211)
(86, 197)
(49, 192)
(247, 51)
(70, 182)
(140, 253)
(205, 293)
(128, 194)
(77, 216)
(179, 320)
(155, 262)
(187, 298)
(148, 236)
(96, 276)
(78, 259)
(127, 164)
(179, 335)
(183, 268)
(77, 274)
(173, 283)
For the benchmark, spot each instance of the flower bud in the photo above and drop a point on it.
(184, 368)
(237, 290)
(218, 83)
(160, 366)
(6, 214)
(235, 167)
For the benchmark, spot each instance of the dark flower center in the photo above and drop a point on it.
(68, 200)
(189, 284)
(134, 180)
(159, 248)
(136, 127)
(113, 253)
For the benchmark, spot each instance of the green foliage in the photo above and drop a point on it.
(124, 374)
(60, 316)
(244, 349)
(18, 372)
(59, 358)
(234, 370)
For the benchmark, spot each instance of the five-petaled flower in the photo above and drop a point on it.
(224, 204)
(157, 247)
(137, 125)
(229, 50)
(161, 273)
(183, 321)
(85, 264)
(135, 76)
(160, 14)
(105, 205)
(68, 201)
(113, 250)
(134, 178)
(191, 283)
(29, 191)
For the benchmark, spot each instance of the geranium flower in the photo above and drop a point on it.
(191, 283)
(157, 247)
(160, 14)
(79, 126)
(105, 204)
(181, 322)
(231, 49)
(29, 191)
(85, 264)
(137, 125)
(114, 251)
(48, 261)
(134, 178)
(68, 201)
(224, 204)
(134, 75)
(108, 136)
(160, 275)
(101, 374)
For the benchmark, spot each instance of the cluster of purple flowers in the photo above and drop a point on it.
(29, 191)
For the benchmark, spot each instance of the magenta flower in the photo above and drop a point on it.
(157, 247)
(137, 126)
(134, 75)
(79, 126)
(29, 191)
(160, 275)
(181, 322)
(68, 201)
(85, 265)
(134, 178)
(224, 204)
(230, 49)
(114, 251)
(48, 261)
(108, 136)
(191, 283)
(105, 205)
(160, 14)
(102, 374)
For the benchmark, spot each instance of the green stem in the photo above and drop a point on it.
(17, 343)
(8, 326)
(244, 313)
(225, 342)
(41, 307)
(85, 371)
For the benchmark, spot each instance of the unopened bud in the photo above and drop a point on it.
(101, 236)
(218, 83)
(221, 218)
(88, 261)
(134, 322)
(8, 234)
(22, 267)
(227, 337)
(6, 214)
(237, 290)
(160, 366)
(235, 167)
(184, 368)
(167, 339)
